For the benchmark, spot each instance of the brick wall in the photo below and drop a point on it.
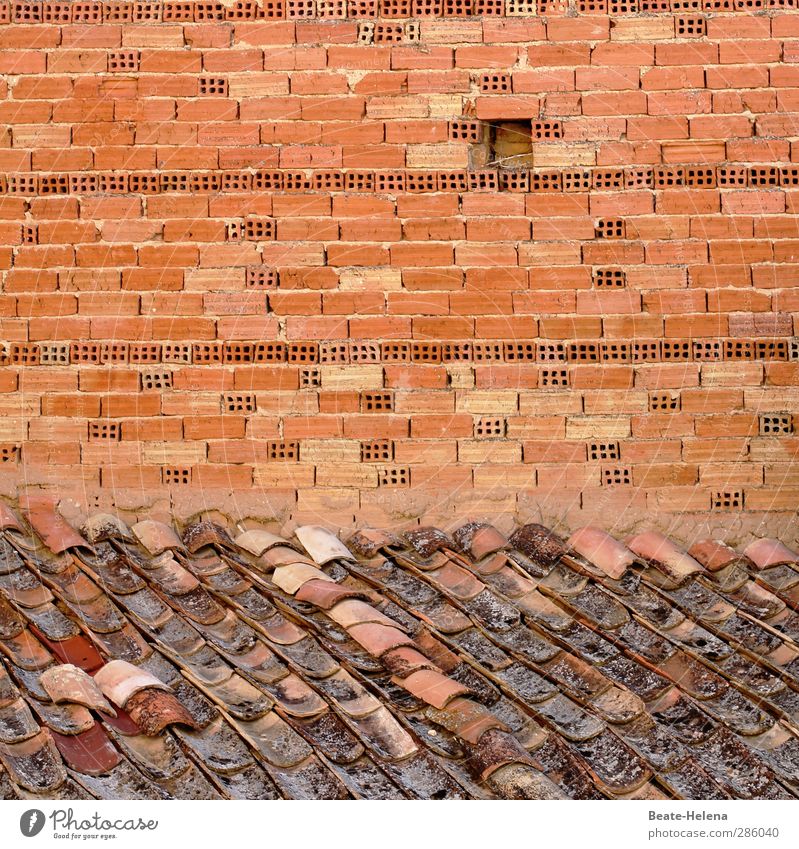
(418, 257)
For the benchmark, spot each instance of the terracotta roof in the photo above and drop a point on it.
(205, 662)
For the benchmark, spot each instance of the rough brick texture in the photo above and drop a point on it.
(403, 257)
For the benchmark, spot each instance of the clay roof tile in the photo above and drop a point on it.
(601, 549)
(68, 683)
(770, 552)
(675, 562)
(323, 545)
(119, 680)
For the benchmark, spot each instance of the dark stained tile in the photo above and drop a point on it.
(571, 721)
(194, 785)
(52, 623)
(565, 769)
(491, 612)
(200, 534)
(422, 776)
(493, 750)
(17, 723)
(122, 782)
(658, 747)
(690, 781)
(517, 781)
(739, 770)
(309, 780)
(34, 763)
(367, 542)
(251, 782)
(539, 544)
(384, 734)
(365, 780)
(102, 527)
(22, 587)
(160, 758)
(328, 734)
(427, 541)
(218, 746)
(64, 718)
(153, 710)
(617, 767)
(275, 740)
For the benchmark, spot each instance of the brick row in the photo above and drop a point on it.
(156, 11)
(345, 352)
(727, 177)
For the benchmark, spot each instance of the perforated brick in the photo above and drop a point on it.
(549, 378)
(776, 424)
(495, 83)
(279, 451)
(426, 352)
(771, 349)
(262, 278)
(269, 352)
(487, 352)
(238, 352)
(547, 130)
(727, 499)
(239, 402)
(104, 431)
(519, 352)
(377, 451)
(334, 352)
(551, 352)
(615, 352)
(603, 451)
(176, 475)
(490, 428)
(54, 353)
(610, 278)
(394, 476)
(660, 402)
(617, 476)
(176, 352)
(365, 352)
(610, 228)
(303, 352)
(390, 352)
(123, 60)
(9, 453)
(25, 354)
(464, 130)
(377, 402)
(310, 378)
(156, 380)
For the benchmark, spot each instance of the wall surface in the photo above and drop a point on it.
(273, 255)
